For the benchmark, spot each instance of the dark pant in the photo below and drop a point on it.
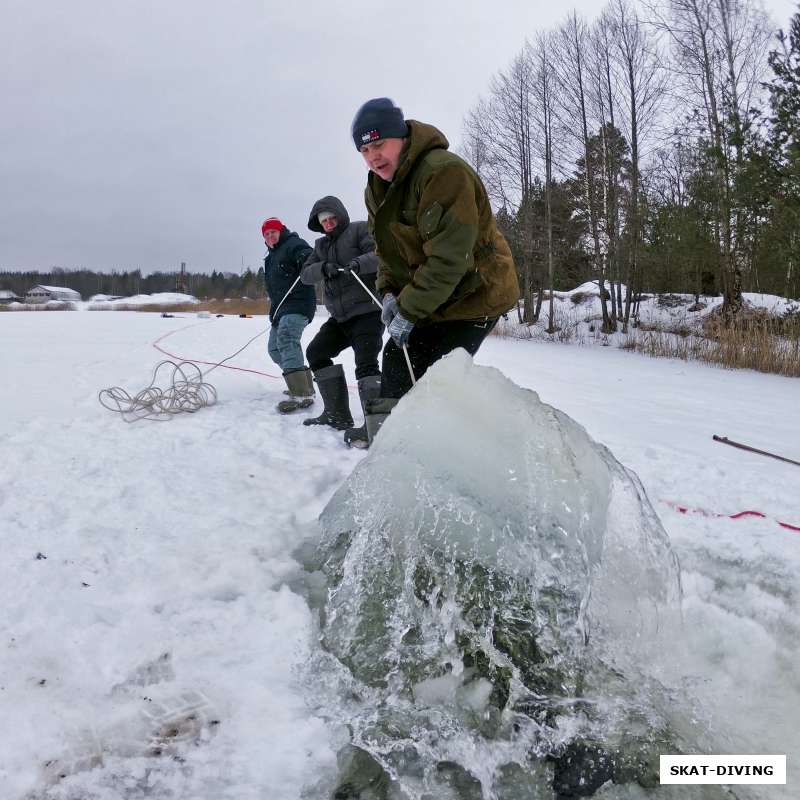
(427, 344)
(363, 333)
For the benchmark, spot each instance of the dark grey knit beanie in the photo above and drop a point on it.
(378, 118)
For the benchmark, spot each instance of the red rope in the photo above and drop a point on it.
(738, 515)
(213, 363)
(207, 363)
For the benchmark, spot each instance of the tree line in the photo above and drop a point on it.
(128, 283)
(656, 148)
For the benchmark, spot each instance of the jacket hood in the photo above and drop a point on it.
(421, 139)
(335, 206)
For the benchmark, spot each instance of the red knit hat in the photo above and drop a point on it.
(272, 224)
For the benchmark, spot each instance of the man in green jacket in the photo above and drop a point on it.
(445, 272)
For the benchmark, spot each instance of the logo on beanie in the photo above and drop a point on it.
(370, 136)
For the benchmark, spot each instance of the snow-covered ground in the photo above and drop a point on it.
(147, 570)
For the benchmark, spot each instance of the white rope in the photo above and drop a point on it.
(185, 391)
(380, 305)
(246, 345)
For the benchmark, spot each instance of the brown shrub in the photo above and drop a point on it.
(678, 328)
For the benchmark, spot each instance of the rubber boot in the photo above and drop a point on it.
(369, 388)
(301, 390)
(333, 388)
(378, 411)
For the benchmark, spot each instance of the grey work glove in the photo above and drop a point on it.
(353, 266)
(330, 270)
(400, 329)
(389, 308)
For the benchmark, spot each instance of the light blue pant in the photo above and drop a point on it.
(284, 342)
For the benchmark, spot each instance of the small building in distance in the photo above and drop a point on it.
(44, 294)
(7, 296)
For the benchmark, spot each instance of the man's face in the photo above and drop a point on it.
(329, 223)
(383, 156)
(271, 237)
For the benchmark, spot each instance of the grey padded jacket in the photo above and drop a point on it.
(345, 297)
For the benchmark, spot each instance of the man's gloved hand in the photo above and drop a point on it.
(400, 329)
(389, 308)
(353, 266)
(330, 270)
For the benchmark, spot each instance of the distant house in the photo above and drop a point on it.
(43, 294)
(7, 297)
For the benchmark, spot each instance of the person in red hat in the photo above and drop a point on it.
(292, 307)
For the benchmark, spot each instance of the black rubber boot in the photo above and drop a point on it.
(333, 388)
(301, 390)
(369, 388)
(378, 411)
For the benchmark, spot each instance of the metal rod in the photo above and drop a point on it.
(380, 305)
(366, 288)
(410, 368)
(285, 296)
(725, 440)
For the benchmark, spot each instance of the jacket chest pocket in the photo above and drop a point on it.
(430, 221)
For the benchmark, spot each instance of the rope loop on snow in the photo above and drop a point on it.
(681, 509)
(185, 391)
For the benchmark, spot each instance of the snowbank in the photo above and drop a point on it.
(101, 303)
(578, 315)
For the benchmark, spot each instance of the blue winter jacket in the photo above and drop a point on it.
(281, 267)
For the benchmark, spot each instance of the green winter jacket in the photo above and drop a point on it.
(439, 249)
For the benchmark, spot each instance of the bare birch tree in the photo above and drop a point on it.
(720, 54)
(572, 47)
(605, 102)
(540, 54)
(642, 82)
(500, 130)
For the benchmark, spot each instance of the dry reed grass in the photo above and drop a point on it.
(756, 340)
(566, 327)
(234, 307)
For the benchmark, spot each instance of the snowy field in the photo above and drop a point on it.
(152, 643)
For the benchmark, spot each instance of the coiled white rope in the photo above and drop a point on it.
(185, 391)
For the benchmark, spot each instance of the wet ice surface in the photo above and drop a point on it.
(497, 582)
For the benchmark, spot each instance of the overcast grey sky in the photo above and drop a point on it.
(143, 133)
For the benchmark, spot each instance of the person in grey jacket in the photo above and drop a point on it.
(344, 258)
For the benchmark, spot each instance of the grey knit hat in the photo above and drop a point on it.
(378, 118)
